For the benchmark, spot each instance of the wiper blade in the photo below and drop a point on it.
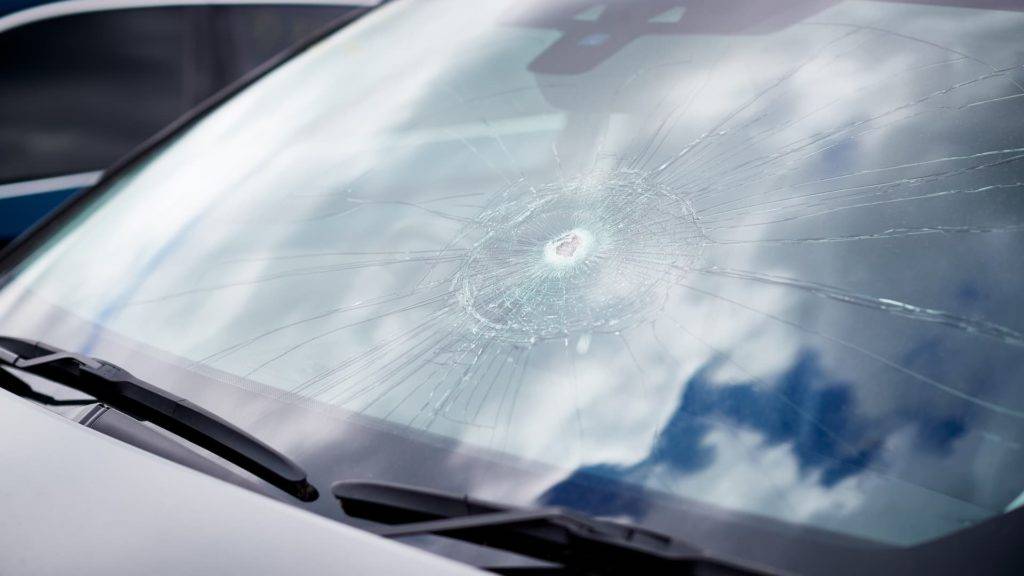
(117, 387)
(572, 540)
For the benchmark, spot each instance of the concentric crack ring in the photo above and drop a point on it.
(594, 254)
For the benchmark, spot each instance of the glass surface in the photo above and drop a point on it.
(764, 259)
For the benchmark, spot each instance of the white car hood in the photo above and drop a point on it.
(74, 501)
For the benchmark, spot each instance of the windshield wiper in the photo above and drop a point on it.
(575, 541)
(116, 387)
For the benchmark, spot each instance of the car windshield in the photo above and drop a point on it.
(757, 258)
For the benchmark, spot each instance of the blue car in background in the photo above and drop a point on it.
(83, 82)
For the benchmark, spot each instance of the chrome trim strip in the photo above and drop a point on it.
(52, 184)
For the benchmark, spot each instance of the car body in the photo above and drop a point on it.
(741, 276)
(69, 113)
(100, 518)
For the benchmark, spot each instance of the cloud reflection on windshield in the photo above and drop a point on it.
(777, 272)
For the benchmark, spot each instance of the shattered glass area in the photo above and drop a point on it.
(572, 258)
(778, 271)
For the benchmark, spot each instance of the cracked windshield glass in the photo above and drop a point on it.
(761, 256)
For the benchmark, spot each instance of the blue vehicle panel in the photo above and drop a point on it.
(17, 214)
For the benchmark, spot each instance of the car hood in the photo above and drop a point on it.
(76, 501)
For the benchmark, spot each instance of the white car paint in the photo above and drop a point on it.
(74, 501)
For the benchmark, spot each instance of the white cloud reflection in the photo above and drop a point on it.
(321, 232)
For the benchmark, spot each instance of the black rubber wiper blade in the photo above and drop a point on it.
(572, 540)
(117, 387)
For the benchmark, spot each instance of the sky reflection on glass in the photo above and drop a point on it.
(774, 266)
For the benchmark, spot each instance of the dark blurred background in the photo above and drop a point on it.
(80, 89)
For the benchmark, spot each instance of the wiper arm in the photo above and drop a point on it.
(118, 388)
(20, 388)
(572, 540)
